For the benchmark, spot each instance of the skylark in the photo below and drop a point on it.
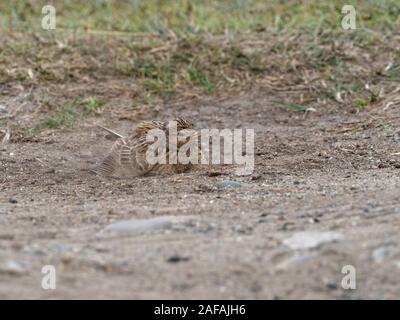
(127, 157)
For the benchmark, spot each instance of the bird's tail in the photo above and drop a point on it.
(106, 167)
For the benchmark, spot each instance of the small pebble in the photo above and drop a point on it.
(228, 184)
(177, 258)
(331, 285)
(311, 239)
(12, 267)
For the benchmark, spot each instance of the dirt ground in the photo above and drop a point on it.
(329, 171)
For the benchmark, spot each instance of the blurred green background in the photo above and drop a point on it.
(194, 16)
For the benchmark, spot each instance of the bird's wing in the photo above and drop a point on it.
(113, 133)
(127, 157)
(111, 163)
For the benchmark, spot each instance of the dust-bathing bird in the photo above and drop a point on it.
(128, 156)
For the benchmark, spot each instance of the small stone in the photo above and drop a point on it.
(313, 220)
(242, 229)
(380, 253)
(332, 285)
(259, 153)
(12, 200)
(310, 239)
(135, 226)
(139, 225)
(287, 226)
(60, 247)
(111, 212)
(177, 258)
(214, 173)
(382, 165)
(228, 184)
(12, 267)
(204, 188)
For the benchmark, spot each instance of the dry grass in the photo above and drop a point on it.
(305, 63)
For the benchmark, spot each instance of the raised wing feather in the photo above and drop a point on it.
(127, 158)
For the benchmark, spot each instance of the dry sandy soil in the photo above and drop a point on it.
(330, 171)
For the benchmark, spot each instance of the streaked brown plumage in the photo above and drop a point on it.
(128, 154)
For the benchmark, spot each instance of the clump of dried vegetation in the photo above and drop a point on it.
(152, 52)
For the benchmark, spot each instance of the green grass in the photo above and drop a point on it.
(92, 105)
(195, 15)
(157, 77)
(361, 103)
(71, 112)
(200, 78)
(154, 51)
(64, 116)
